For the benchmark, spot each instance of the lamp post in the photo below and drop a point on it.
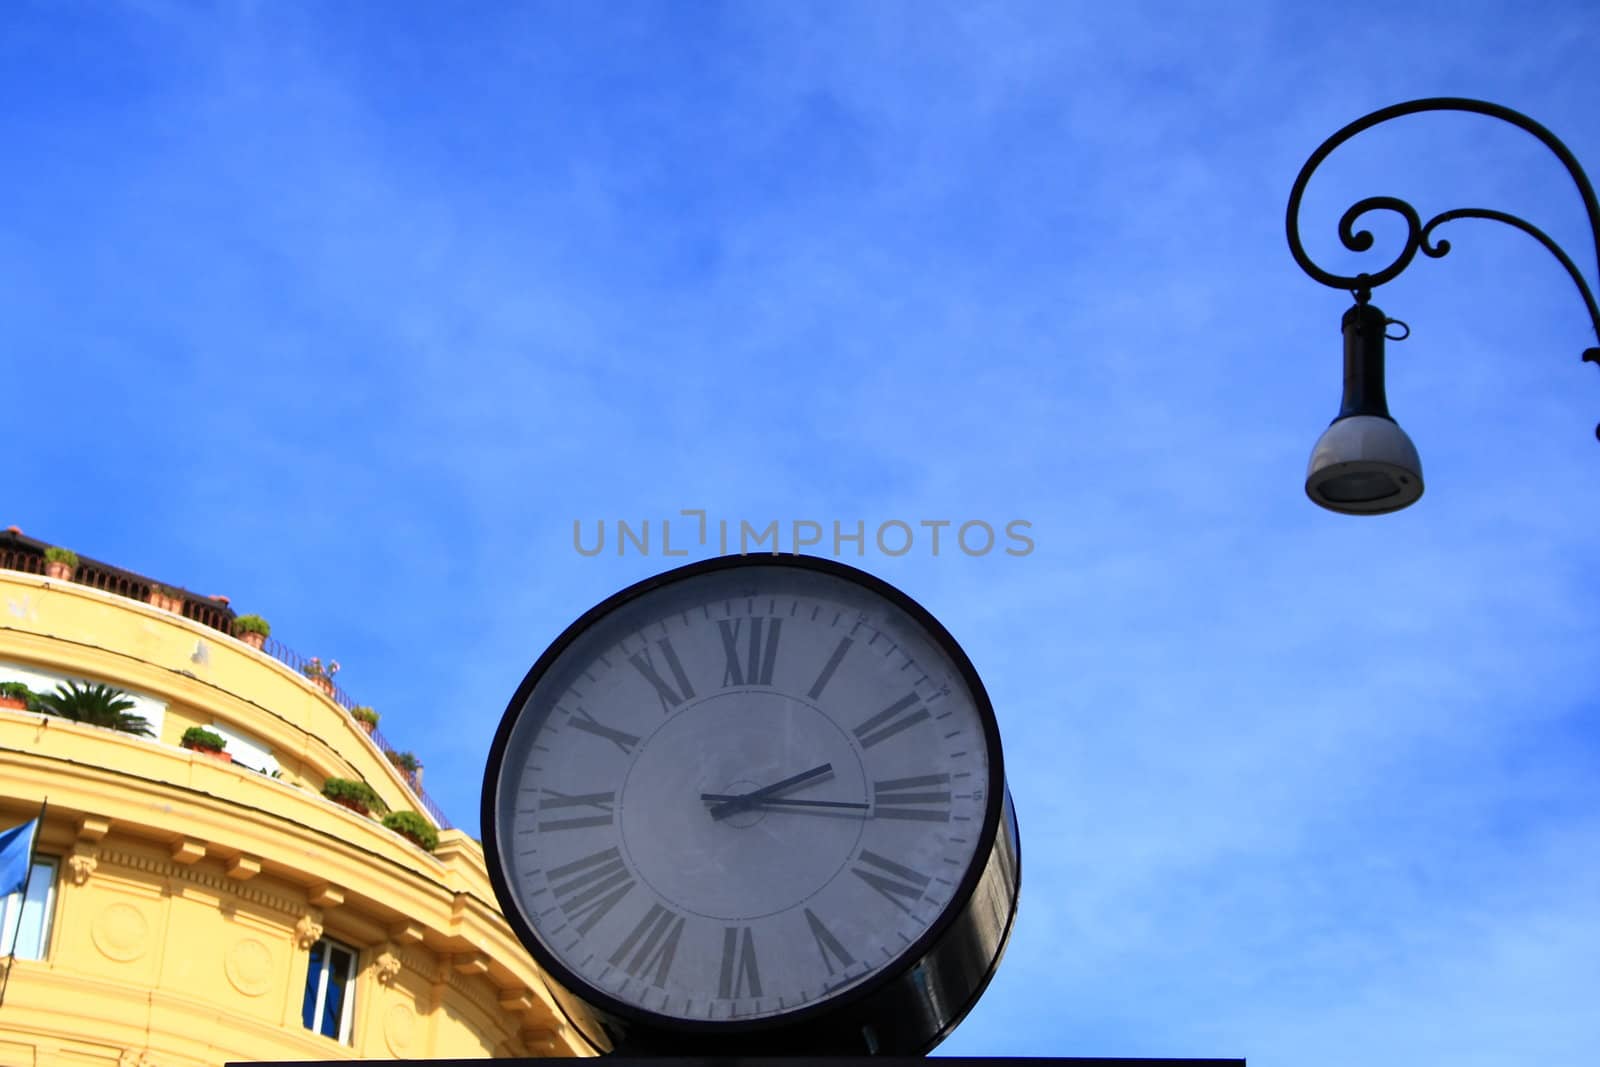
(1364, 464)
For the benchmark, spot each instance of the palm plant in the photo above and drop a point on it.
(97, 705)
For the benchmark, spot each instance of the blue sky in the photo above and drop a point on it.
(348, 311)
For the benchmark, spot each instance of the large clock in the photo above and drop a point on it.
(755, 806)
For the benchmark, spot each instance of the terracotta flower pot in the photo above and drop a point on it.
(354, 805)
(219, 755)
(254, 640)
(60, 571)
(158, 599)
(14, 702)
(324, 684)
(366, 727)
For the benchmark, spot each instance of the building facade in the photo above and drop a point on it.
(184, 911)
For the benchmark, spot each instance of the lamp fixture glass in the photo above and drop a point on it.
(1364, 465)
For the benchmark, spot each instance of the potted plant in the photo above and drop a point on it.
(15, 695)
(320, 675)
(409, 765)
(59, 563)
(206, 743)
(365, 717)
(410, 825)
(97, 705)
(252, 630)
(357, 796)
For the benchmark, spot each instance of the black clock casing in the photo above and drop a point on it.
(910, 996)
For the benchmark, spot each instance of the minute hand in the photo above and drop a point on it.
(786, 802)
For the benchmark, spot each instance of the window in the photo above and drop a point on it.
(246, 750)
(330, 990)
(25, 917)
(42, 681)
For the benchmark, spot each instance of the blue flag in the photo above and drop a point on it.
(16, 856)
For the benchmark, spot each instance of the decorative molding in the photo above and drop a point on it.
(406, 933)
(516, 1000)
(416, 959)
(93, 828)
(161, 868)
(545, 1041)
(399, 1028)
(470, 964)
(465, 973)
(148, 864)
(121, 932)
(80, 865)
(249, 967)
(308, 929)
(387, 967)
(325, 895)
(243, 868)
(187, 851)
(135, 1058)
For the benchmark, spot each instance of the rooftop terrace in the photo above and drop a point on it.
(19, 552)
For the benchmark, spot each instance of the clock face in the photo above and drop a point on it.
(742, 794)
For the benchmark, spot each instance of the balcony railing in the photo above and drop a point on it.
(19, 553)
(286, 655)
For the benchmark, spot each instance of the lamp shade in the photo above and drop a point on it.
(1364, 465)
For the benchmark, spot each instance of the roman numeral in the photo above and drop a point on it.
(895, 883)
(891, 720)
(828, 668)
(739, 972)
(760, 654)
(599, 801)
(827, 944)
(931, 790)
(588, 888)
(653, 942)
(670, 697)
(582, 720)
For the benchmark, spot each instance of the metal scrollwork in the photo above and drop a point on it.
(1419, 234)
(1361, 240)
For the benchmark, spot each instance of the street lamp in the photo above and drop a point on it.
(1364, 464)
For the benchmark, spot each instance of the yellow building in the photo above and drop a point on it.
(185, 911)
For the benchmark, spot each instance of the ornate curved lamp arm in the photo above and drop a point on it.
(1418, 233)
